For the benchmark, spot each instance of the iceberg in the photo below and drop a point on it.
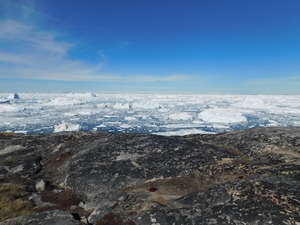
(65, 126)
(81, 95)
(222, 115)
(13, 96)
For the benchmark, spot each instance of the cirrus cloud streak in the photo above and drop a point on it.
(31, 53)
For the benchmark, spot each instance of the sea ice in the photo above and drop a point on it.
(143, 112)
(180, 116)
(120, 106)
(146, 105)
(5, 108)
(64, 101)
(130, 118)
(81, 95)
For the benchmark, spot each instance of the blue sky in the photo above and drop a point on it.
(204, 46)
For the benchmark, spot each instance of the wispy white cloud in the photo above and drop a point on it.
(273, 85)
(10, 29)
(31, 67)
(274, 81)
(14, 59)
(145, 78)
(22, 38)
(26, 11)
(33, 52)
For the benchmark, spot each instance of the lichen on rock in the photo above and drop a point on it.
(240, 177)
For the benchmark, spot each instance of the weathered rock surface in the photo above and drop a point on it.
(241, 177)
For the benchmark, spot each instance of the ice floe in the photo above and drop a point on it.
(180, 116)
(6, 108)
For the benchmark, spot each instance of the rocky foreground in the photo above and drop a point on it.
(241, 177)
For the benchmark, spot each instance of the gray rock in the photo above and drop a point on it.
(241, 177)
(54, 217)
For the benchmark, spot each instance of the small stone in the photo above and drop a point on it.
(153, 220)
(81, 205)
(40, 185)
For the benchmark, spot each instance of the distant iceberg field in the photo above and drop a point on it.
(159, 113)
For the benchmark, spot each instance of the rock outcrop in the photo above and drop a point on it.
(241, 177)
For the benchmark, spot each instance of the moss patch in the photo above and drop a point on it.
(63, 199)
(12, 201)
(7, 134)
(114, 219)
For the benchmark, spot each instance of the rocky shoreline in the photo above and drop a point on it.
(240, 177)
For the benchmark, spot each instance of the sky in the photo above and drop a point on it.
(202, 46)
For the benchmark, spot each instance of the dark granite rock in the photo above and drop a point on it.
(52, 217)
(241, 177)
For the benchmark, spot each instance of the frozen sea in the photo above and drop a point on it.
(164, 114)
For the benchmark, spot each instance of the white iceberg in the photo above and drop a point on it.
(253, 102)
(13, 96)
(82, 95)
(65, 126)
(222, 115)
